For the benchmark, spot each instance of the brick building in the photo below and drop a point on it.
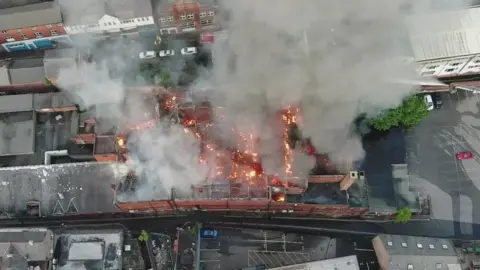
(182, 16)
(31, 27)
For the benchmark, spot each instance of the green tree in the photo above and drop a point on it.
(403, 215)
(48, 83)
(165, 79)
(143, 237)
(408, 114)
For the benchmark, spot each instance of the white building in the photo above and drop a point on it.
(447, 43)
(107, 16)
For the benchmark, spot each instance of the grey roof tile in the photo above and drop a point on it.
(30, 15)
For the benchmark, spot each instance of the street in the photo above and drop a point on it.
(452, 184)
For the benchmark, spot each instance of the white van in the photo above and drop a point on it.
(428, 102)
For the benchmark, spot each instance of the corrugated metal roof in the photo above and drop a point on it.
(30, 15)
(4, 76)
(445, 34)
(51, 100)
(16, 103)
(55, 60)
(18, 134)
(27, 71)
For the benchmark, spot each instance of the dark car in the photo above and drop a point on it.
(437, 99)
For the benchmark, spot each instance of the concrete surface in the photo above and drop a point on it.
(17, 133)
(452, 184)
(239, 248)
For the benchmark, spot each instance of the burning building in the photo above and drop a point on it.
(233, 177)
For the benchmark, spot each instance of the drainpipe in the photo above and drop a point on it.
(197, 246)
(50, 154)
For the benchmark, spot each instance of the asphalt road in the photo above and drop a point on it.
(452, 184)
(334, 228)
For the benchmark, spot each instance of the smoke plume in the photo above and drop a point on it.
(334, 59)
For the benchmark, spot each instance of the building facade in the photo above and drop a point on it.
(32, 27)
(398, 252)
(186, 16)
(106, 17)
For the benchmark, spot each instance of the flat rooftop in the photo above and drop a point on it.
(320, 193)
(89, 249)
(386, 187)
(60, 188)
(17, 133)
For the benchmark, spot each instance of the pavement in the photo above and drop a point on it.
(452, 184)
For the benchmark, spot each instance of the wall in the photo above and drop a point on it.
(32, 38)
(443, 68)
(244, 206)
(110, 24)
(179, 19)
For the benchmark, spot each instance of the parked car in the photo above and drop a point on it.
(188, 50)
(208, 233)
(207, 37)
(464, 155)
(428, 102)
(166, 53)
(437, 98)
(147, 55)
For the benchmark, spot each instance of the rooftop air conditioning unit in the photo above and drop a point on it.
(354, 174)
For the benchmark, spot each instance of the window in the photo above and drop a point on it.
(203, 14)
(419, 246)
(206, 22)
(409, 266)
(24, 37)
(438, 266)
(188, 24)
(427, 73)
(48, 26)
(389, 243)
(444, 246)
(4, 32)
(190, 16)
(170, 18)
(455, 64)
(53, 33)
(162, 19)
(38, 35)
(211, 13)
(476, 61)
(404, 244)
(432, 67)
(449, 69)
(9, 38)
(183, 17)
(431, 246)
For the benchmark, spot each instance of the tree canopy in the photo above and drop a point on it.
(403, 215)
(408, 114)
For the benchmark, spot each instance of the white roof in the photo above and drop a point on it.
(445, 34)
(343, 263)
(86, 251)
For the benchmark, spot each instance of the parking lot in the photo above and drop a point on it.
(431, 153)
(238, 248)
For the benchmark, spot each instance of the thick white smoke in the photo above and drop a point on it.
(335, 59)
